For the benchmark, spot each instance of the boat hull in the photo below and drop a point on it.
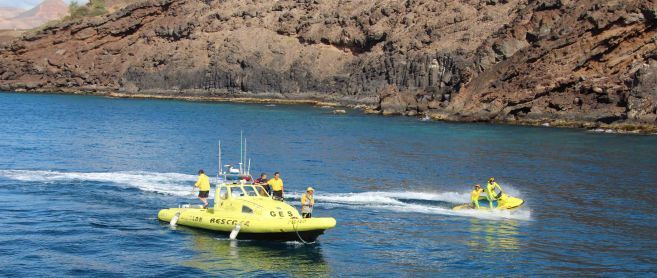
(251, 227)
(504, 203)
(307, 236)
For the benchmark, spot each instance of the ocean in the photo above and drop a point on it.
(82, 179)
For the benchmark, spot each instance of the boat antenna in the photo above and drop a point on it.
(245, 170)
(248, 168)
(241, 148)
(219, 166)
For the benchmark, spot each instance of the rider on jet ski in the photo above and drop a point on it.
(490, 191)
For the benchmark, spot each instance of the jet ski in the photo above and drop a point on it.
(504, 202)
(246, 211)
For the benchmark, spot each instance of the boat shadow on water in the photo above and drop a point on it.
(216, 253)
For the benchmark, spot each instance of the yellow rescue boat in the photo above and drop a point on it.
(504, 202)
(246, 211)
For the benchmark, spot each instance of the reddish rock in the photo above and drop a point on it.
(588, 61)
(392, 101)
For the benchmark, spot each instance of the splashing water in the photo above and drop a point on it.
(166, 183)
(179, 185)
(403, 202)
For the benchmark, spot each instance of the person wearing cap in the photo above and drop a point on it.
(474, 196)
(490, 191)
(203, 184)
(262, 181)
(276, 186)
(307, 203)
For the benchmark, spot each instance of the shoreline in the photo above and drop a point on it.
(614, 128)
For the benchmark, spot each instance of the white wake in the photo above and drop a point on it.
(406, 202)
(166, 183)
(177, 184)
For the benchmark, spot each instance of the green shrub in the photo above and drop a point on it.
(92, 8)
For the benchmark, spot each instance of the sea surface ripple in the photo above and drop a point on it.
(82, 179)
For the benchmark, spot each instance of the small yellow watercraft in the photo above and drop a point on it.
(246, 211)
(504, 202)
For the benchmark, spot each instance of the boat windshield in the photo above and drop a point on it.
(223, 193)
(250, 191)
(236, 192)
(261, 191)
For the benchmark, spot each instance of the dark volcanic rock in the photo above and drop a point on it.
(584, 61)
(642, 100)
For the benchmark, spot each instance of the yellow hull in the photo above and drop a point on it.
(246, 211)
(504, 203)
(251, 226)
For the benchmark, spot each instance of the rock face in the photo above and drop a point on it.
(46, 11)
(582, 61)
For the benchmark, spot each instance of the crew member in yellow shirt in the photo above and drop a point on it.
(475, 196)
(203, 184)
(276, 184)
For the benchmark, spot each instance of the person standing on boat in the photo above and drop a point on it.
(276, 186)
(490, 191)
(203, 184)
(262, 181)
(307, 203)
(474, 196)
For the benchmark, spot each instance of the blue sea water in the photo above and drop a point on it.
(82, 179)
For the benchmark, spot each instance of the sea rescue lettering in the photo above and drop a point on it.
(223, 221)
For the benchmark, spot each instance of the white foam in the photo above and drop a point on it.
(166, 183)
(510, 189)
(492, 215)
(180, 185)
(294, 243)
(385, 197)
(520, 214)
(402, 202)
(351, 198)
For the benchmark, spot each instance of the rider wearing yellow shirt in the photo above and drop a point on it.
(203, 184)
(474, 196)
(276, 186)
(490, 191)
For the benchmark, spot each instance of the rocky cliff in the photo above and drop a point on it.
(567, 62)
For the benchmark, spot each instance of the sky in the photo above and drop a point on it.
(26, 4)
